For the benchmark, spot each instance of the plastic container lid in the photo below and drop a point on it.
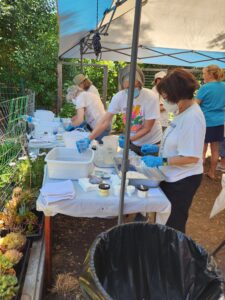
(104, 186)
(142, 188)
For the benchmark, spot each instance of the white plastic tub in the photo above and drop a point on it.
(66, 163)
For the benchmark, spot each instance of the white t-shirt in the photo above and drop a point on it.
(93, 107)
(145, 107)
(94, 90)
(184, 137)
(169, 108)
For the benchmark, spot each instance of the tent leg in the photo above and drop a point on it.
(125, 162)
(59, 98)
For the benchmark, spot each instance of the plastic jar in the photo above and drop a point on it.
(103, 189)
(142, 191)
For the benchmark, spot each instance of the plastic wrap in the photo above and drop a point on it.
(141, 261)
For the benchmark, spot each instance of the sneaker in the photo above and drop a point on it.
(220, 167)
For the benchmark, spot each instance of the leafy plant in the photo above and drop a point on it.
(118, 125)
(8, 287)
(29, 48)
(30, 173)
(68, 110)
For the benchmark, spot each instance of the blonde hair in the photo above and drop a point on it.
(215, 71)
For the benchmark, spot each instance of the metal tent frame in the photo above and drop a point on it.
(179, 55)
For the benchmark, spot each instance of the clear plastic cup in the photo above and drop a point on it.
(81, 146)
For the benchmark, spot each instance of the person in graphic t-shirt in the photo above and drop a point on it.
(145, 125)
(180, 153)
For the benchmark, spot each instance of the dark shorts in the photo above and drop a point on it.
(214, 134)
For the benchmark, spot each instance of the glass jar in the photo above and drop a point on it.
(142, 191)
(103, 189)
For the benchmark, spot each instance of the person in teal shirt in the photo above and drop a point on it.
(211, 97)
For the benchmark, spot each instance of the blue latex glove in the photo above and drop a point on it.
(152, 161)
(121, 141)
(69, 127)
(83, 145)
(148, 148)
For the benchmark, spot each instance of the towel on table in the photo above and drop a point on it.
(58, 191)
(86, 185)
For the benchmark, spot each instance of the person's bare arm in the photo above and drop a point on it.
(148, 124)
(102, 125)
(182, 160)
(78, 118)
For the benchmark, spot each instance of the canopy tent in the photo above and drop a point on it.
(174, 33)
(178, 32)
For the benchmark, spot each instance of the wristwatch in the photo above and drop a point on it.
(165, 161)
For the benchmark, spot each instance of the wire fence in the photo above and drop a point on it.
(12, 136)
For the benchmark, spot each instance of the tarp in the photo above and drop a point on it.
(175, 32)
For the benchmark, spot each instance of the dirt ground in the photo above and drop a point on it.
(72, 238)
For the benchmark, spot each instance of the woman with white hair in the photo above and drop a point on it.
(145, 126)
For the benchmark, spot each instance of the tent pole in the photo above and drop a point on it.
(133, 63)
(81, 55)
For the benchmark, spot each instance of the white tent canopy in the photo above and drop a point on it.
(175, 32)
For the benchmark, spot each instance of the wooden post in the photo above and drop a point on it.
(48, 250)
(59, 78)
(105, 85)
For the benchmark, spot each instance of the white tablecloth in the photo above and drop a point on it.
(90, 204)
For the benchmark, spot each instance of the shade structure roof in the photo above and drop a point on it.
(176, 32)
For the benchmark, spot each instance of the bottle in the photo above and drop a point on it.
(99, 156)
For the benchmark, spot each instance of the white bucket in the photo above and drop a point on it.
(44, 115)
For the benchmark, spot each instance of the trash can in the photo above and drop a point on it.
(141, 261)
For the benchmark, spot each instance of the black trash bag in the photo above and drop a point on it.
(141, 261)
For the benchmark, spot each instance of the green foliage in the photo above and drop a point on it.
(29, 48)
(118, 125)
(8, 287)
(30, 173)
(68, 110)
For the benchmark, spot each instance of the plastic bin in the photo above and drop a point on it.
(70, 138)
(43, 127)
(66, 163)
(44, 115)
(141, 261)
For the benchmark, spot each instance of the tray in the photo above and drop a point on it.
(21, 268)
(145, 180)
(32, 236)
(37, 235)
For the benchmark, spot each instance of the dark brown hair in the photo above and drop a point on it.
(177, 85)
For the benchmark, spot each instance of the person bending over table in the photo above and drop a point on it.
(89, 110)
(145, 126)
(180, 153)
(85, 84)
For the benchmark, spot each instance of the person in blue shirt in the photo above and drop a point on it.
(211, 97)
